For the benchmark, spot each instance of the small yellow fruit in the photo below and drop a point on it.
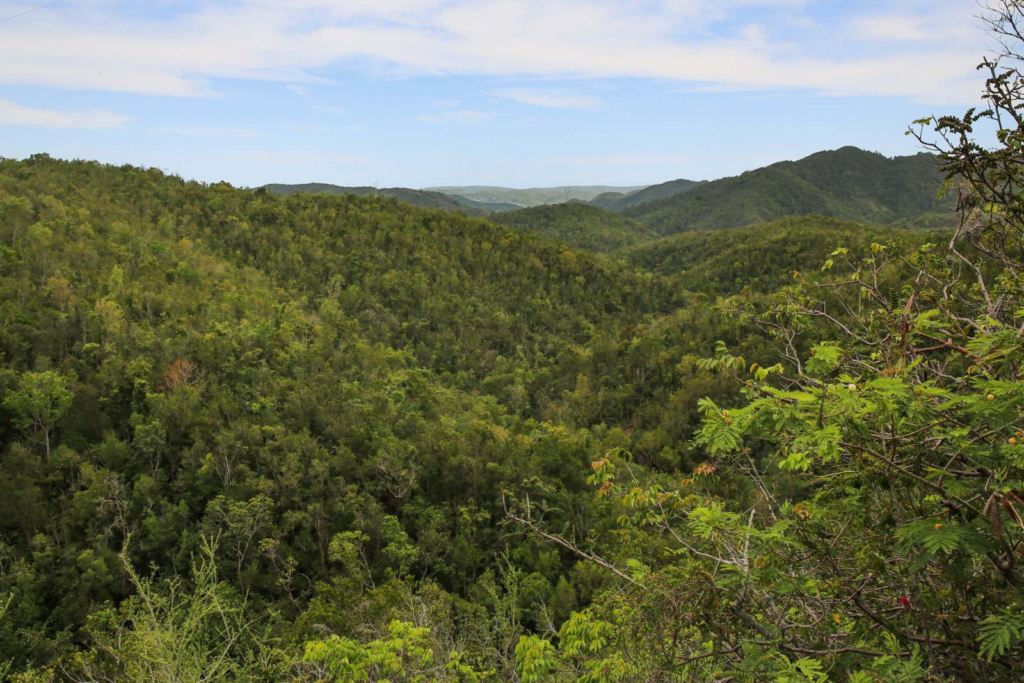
(1013, 441)
(851, 387)
(938, 526)
(1018, 433)
(728, 421)
(725, 413)
(991, 397)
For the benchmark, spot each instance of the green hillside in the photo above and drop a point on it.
(762, 257)
(580, 225)
(848, 183)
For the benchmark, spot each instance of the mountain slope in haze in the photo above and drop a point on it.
(646, 195)
(578, 224)
(534, 196)
(762, 257)
(846, 183)
(606, 200)
(421, 198)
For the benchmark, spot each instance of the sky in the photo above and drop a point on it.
(520, 93)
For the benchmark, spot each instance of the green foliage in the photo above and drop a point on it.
(405, 654)
(999, 633)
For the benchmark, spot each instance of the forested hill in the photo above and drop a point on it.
(580, 225)
(847, 183)
(762, 257)
(422, 198)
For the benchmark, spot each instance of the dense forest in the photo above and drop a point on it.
(188, 363)
(251, 436)
(763, 257)
(579, 225)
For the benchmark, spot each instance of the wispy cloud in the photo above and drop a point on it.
(12, 114)
(303, 92)
(470, 116)
(94, 46)
(903, 28)
(553, 98)
(300, 90)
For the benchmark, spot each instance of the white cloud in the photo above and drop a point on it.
(552, 98)
(12, 114)
(457, 116)
(93, 46)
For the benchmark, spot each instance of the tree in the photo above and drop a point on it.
(40, 401)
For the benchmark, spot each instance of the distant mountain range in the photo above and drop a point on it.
(534, 196)
(847, 183)
(422, 198)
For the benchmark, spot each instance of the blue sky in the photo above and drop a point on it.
(504, 92)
